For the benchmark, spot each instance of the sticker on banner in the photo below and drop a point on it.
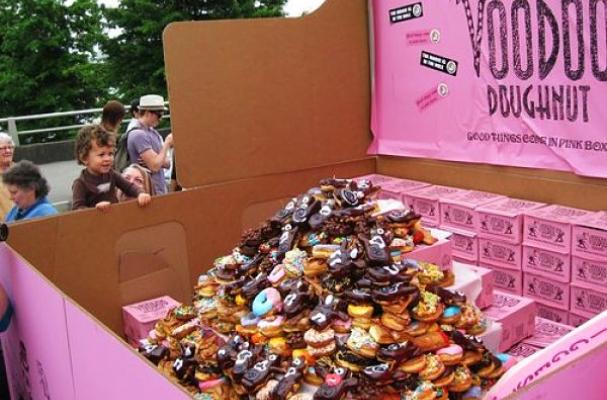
(439, 63)
(416, 38)
(406, 13)
(432, 96)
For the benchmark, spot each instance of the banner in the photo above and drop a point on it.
(508, 82)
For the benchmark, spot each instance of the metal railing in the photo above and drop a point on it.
(95, 112)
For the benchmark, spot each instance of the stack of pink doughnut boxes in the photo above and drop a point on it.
(565, 262)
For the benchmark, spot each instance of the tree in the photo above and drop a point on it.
(49, 56)
(135, 59)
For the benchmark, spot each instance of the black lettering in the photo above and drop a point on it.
(515, 104)
(543, 107)
(585, 89)
(544, 13)
(503, 71)
(523, 74)
(600, 74)
(504, 105)
(529, 106)
(491, 99)
(572, 74)
(557, 101)
(571, 103)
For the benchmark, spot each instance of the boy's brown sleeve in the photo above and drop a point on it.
(78, 195)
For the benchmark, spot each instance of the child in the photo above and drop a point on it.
(96, 185)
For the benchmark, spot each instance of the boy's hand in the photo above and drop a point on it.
(103, 206)
(144, 199)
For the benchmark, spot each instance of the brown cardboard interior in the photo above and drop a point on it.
(261, 96)
(105, 261)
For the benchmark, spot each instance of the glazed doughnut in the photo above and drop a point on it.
(272, 326)
(319, 339)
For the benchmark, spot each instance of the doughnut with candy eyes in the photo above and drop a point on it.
(290, 382)
(257, 376)
(335, 385)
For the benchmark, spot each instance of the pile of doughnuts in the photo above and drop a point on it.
(321, 302)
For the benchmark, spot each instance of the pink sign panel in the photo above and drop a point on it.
(503, 82)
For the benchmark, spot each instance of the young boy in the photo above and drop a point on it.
(96, 185)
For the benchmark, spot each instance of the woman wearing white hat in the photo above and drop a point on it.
(145, 145)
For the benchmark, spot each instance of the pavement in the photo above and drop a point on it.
(60, 176)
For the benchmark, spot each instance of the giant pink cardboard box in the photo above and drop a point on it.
(590, 237)
(425, 201)
(551, 227)
(459, 211)
(54, 349)
(503, 219)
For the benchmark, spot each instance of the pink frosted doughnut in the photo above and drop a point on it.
(452, 350)
(206, 385)
(277, 274)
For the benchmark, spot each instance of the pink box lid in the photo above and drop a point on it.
(505, 304)
(471, 198)
(399, 185)
(509, 207)
(547, 331)
(596, 220)
(152, 309)
(559, 213)
(435, 192)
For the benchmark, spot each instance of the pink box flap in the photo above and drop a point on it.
(559, 213)
(435, 192)
(597, 220)
(505, 304)
(509, 207)
(151, 310)
(547, 331)
(402, 185)
(472, 198)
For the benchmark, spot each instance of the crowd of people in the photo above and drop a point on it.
(117, 167)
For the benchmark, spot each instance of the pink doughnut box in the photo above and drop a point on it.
(425, 201)
(590, 237)
(547, 291)
(551, 313)
(397, 188)
(139, 318)
(577, 320)
(547, 263)
(439, 253)
(465, 245)
(503, 219)
(587, 302)
(485, 298)
(551, 227)
(501, 254)
(589, 273)
(523, 350)
(459, 211)
(517, 316)
(507, 280)
(547, 332)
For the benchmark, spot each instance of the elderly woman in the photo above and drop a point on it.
(7, 148)
(138, 176)
(27, 189)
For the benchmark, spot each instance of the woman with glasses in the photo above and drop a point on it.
(27, 189)
(7, 148)
(145, 145)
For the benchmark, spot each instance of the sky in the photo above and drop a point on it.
(293, 8)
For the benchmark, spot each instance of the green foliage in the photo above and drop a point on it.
(135, 60)
(47, 56)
